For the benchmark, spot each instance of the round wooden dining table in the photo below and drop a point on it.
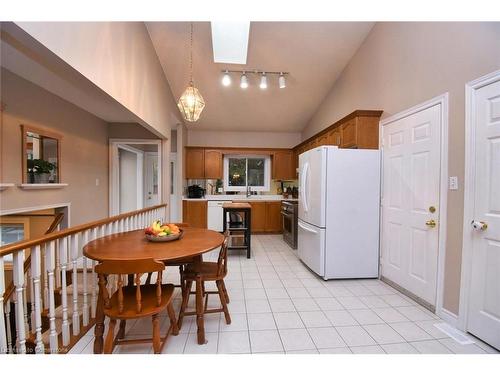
(133, 245)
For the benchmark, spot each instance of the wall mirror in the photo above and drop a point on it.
(41, 156)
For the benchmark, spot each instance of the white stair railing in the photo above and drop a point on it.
(39, 292)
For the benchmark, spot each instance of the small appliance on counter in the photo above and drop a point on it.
(196, 191)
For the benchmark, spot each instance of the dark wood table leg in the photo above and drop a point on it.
(99, 325)
(199, 307)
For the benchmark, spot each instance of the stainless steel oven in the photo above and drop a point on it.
(289, 219)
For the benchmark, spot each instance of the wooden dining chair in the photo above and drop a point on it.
(208, 271)
(134, 301)
(182, 262)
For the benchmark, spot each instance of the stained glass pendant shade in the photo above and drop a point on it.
(191, 102)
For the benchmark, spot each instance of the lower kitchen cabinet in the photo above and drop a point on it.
(273, 217)
(266, 217)
(194, 213)
(258, 215)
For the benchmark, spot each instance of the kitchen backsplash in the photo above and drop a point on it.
(210, 186)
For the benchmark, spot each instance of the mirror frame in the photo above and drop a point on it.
(46, 133)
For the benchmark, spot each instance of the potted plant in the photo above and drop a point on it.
(40, 170)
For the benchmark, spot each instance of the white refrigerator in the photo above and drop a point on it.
(339, 201)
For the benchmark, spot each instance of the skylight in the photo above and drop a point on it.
(230, 41)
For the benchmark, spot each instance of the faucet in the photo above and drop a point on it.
(249, 191)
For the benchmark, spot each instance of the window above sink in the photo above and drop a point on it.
(242, 171)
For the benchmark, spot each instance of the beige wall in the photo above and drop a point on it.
(84, 150)
(403, 64)
(242, 139)
(129, 131)
(123, 64)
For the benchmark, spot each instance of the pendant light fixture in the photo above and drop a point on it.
(191, 102)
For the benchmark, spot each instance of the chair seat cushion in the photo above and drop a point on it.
(148, 301)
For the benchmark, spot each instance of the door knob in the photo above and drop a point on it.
(430, 223)
(479, 225)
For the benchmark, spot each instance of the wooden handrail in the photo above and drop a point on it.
(21, 245)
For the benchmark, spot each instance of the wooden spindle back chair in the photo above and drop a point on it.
(208, 271)
(135, 300)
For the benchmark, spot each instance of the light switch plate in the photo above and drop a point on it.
(453, 183)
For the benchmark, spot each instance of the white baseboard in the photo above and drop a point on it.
(448, 317)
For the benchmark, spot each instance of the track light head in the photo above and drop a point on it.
(226, 79)
(263, 81)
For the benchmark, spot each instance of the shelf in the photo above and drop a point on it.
(4, 186)
(41, 186)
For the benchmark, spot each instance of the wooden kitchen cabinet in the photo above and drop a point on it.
(322, 140)
(334, 137)
(213, 164)
(356, 130)
(273, 217)
(258, 215)
(283, 165)
(195, 213)
(195, 163)
(360, 132)
(349, 134)
(266, 217)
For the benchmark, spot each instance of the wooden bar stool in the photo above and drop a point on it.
(207, 271)
(135, 301)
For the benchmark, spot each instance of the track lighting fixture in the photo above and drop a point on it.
(263, 81)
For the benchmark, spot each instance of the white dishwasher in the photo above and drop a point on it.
(214, 215)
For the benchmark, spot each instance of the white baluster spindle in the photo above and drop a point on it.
(74, 258)
(36, 270)
(85, 315)
(50, 265)
(19, 284)
(63, 258)
(25, 302)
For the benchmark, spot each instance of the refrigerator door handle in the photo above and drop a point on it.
(305, 172)
(307, 229)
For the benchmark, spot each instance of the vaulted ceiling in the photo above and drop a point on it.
(315, 53)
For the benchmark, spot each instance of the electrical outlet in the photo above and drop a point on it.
(453, 183)
(97, 182)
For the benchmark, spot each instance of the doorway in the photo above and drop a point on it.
(479, 311)
(135, 175)
(413, 208)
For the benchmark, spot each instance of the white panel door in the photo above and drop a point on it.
(410, 197)
(484, 298)
(151, 196)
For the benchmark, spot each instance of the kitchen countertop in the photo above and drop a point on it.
(236, 197)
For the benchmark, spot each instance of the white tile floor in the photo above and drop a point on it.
(279, 306)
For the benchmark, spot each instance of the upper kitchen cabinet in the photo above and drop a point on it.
(334, 137)
(283, 167)
(213, 164)
(357, 130)
(195, 163)
(360, 132)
